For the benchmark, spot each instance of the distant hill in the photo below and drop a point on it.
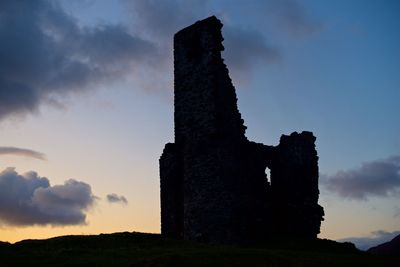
(139, 249)
(389, 248)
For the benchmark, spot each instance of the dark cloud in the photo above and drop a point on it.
(28, 199)
(376, 238)
(44, 54)
(374, 178)
(161, 20)
(8, 150)
(246, 49)
(114, 198)
(292, 17)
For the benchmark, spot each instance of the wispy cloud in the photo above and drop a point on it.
(245, 48)
(378, 178)
(161, 19)
(374, 239)
(396, 212)
(28, 199)
(292, 17)
(114, 198)
(9, 150)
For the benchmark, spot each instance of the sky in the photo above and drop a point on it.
(86, 106)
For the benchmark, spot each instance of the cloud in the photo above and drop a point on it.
(245, 48)
(374, 239)
(292, 17)
(28, 199)
(396, 212)
(45, 55)
(114, 198)
(8, 150)
(375, 178)
(161, 19)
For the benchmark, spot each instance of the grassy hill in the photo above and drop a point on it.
(138, 249)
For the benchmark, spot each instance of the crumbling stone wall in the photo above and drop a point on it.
(213, 182)
(294, 182)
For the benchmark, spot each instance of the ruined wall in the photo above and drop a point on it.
(294, 183)
(171, 183)
(213, 182)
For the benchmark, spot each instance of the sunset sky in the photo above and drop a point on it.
(86, 106)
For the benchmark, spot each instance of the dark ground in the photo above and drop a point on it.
(138, 249)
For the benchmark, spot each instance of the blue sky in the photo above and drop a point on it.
(93, 92)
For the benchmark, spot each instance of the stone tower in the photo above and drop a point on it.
(213, 182)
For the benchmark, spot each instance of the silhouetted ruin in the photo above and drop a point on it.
(214, 186)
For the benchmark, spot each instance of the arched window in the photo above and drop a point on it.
(268, 174)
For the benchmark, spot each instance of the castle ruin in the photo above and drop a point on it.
(214, 186)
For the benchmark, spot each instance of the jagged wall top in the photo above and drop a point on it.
(204, 107)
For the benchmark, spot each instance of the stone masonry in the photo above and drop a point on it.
(214, 187)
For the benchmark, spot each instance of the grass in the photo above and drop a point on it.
(139, 249)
